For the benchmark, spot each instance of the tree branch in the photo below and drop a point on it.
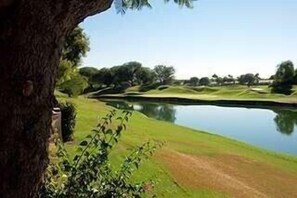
(83, 8)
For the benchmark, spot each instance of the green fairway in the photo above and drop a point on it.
(232, 92)
(195, 163)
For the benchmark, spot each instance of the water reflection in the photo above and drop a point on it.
(285, 121)
(165, 112)
(274, 129)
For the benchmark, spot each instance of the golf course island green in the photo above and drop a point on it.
(195, 163)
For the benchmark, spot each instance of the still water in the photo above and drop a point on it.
(274, 129)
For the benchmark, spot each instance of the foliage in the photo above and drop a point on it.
(248, 79)
(76, 46)
(228, 79)
(145, 88)
(285, 72)
(88, 71)
(281, 88)
(179, 82)
(74, 86)
(125, 73)
(145, 76)
(66, 71)
(103, 76)
(88, 173)
(164, 74)
(214, 76)
(132, 73)
(285, 121)
(122, 5)
(217, 79)
(204, 81)
(295, 77)
(163, 87)
(194, 81)
(68, 120)
(283, 78)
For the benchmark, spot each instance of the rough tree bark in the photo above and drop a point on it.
(32, 34)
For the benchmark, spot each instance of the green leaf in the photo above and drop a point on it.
(84, 143)
(109, 131)
(136, 165)
(87, 154)
(76, 158)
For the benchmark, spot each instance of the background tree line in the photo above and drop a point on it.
(88, 79)
(73, 80)
(281, 82)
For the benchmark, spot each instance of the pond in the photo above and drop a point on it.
(273, 129)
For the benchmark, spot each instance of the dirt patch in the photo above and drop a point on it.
(231, 174)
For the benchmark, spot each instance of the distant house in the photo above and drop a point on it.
(265, 82)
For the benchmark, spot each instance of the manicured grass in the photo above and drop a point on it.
(187, 144)
(232, 92)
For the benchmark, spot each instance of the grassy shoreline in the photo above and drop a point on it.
(187, 155)
(228, 96)
(184, 100)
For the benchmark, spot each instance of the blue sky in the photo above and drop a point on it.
(216, 36)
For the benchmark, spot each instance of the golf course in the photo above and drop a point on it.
(195, 163)
(148, 99)
(228, 93)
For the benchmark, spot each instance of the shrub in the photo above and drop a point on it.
(68, 121)
(281, 88)
(88, 173)
(283, 78)
(74, 86)
(163, 87)
(145, 88)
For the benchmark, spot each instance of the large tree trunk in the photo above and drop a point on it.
(31, 38)
(29, 54)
